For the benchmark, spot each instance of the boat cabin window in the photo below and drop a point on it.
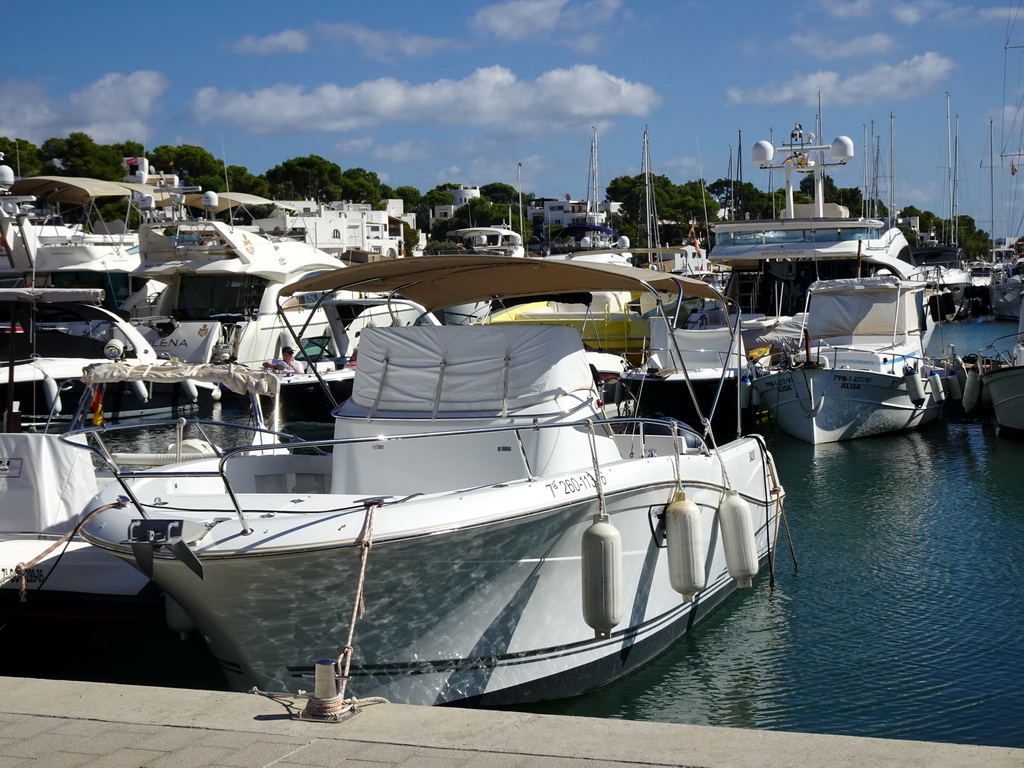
(201, 297)
(802, 235)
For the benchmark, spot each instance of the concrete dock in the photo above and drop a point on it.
(56, 723)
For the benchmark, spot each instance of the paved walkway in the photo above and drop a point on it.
(55, 723)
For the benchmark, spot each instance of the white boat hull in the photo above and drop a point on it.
(825, 405)
(486, 612)
(1005, 388)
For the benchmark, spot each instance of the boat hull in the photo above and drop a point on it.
(1005, 389)
(825, 405)
(488, 613)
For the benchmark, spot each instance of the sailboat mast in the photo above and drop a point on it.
(650, 201)
(593, 183)
(956, 162)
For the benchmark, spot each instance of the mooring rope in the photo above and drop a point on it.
(365, 544)
(21, 569)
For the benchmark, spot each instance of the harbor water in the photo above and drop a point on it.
(902, 617)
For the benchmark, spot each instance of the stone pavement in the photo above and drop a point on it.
(57, 723)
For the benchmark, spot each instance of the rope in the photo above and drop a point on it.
(365, 544)
(21, 568)
(601, 504)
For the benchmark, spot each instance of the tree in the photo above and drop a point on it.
(410, 197)
(500, 193)
(79, 155)
(240, 180)
(360, 186)
(23, 157)
(305, 178)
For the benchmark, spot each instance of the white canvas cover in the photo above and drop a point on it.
(44, 484)
(701, 348)
(865, 306)
(438, 369)
(236, 377)
(51, 295)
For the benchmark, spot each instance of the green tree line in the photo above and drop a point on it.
(683, 210)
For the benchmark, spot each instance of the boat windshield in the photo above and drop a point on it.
(202, 297)
(802, 235)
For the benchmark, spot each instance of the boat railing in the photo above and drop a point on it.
(1000, 350)
(93, 439)
(824, 349)
(635, 438)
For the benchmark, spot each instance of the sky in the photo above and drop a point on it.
(514, 92)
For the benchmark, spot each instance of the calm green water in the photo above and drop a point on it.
(905, 616)
(904, 619)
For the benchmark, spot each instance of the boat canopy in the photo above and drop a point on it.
(51, 295)
(76, 189)
(864, 306)
(227, 200)
(436, 282)
(237, 378)
(445, 369)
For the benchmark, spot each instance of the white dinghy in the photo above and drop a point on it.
(508, 543)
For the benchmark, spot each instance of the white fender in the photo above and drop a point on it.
(737, 524)
(745, 388)
(953, 388)
(685, 547)
(971, 390)
(602, 577)
(52, 392)
(191, 393)
(935, 385)
(915, 387)
(139, 388)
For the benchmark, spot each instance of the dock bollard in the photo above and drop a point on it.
(325, 703)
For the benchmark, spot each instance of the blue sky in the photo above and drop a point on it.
(426, 93)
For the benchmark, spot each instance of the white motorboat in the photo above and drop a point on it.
(696, 369)
(499, 240)
(49, 335)
(1005, 291)
(38, 249)
(47, 480)
(1001, 376)
(508, 544)
(220, 302)
(863, 370)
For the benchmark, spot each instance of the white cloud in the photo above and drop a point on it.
(848, 9)
(116, 107)
(894, 82)
(869, 45)
(518, 19)
(943, 12)
(398, 152)
(491, 97)
(386, 45)
(27, 111)
(287, 41)
(572, 24)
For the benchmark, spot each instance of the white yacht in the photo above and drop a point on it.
(508, 543)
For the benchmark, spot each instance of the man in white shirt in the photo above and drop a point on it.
(286, 363)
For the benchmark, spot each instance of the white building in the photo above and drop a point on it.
(462, 196)
(554, 214)
(353, 232)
